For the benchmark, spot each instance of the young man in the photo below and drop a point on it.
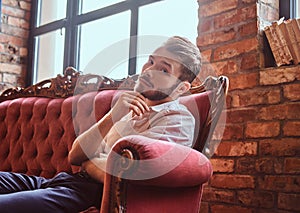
(152, 110)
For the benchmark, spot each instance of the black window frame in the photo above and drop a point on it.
(287, 9)
(73, 19)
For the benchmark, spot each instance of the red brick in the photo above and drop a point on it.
(206, 70)
(236, 149)
(248, 29)
(280, 75)
(235, 49)
(10, 11)
(222, 165)
(202, 1)
(245, 165)
(17, 22)
(216, 7)
(2, 48)
(15, 31)
(256, 198)
(292, 92)
(10, 78)
(11, 68)
(281, 112)
(250, 61)
(282, 183)
(25, 5)
(264, 165)
(233, 131)
(241, 115)
(232, 181)
(27, 16)
(256, 96)
(292, 165)
(278, 165)
(215, 195)
(280, 147)
(206, 55)
(248, 1)
(289, 202)
(236, 16)
(262, 129)
(13, 3)
(204, 207)
(229, 209)
(291, 128)
(219, 68)
(205, 25)
(9, 39)
(243, 81)
(215, 37)
(23, 51)
(264, 210)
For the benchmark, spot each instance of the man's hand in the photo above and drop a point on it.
(84, 149)
(95, 168)
(129, 101)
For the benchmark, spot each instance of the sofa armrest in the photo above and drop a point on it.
(153, 162)
(138, 161)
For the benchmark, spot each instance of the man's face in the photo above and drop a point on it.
(159, 76)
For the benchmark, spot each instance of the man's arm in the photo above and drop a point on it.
(95, 168)
(86, 145)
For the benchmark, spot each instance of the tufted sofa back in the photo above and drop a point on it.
(36, 134)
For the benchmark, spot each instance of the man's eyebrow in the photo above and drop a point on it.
(162, 61)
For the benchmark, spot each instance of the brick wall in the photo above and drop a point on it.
(14, 34)
(257, 164)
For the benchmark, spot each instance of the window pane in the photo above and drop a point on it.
(104, 46)
(298, 9)
(51, 10)
(180, 19)
(90, 5)
(50, 55)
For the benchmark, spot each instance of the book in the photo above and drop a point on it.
(278, 44)
(293, 38)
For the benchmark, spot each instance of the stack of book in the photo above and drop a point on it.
(284, 39)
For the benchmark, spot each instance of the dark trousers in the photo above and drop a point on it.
(63, 193)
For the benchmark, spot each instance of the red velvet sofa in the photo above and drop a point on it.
(38, 125)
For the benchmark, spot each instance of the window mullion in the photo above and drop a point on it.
(70, 51)
(133, 40)
(31, 43)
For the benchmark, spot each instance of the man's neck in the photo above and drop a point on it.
(154, 103)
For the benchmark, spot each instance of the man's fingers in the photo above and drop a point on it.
(135, 105)
(137, 100)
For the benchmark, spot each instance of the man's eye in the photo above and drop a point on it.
(165, 71)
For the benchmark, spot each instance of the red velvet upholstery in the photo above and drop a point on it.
(178, 190)
(36, 135)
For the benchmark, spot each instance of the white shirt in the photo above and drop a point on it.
(169, 121)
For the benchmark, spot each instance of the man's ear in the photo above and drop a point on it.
(183, 87)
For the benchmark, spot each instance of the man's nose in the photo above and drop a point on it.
(148, 71)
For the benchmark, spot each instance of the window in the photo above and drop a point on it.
(103, 37)
(289, 9)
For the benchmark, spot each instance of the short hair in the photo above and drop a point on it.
(188, 54)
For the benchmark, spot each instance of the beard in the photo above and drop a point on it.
(155, 95)
(158, 94)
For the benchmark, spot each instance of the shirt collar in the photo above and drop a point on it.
(167, 105)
